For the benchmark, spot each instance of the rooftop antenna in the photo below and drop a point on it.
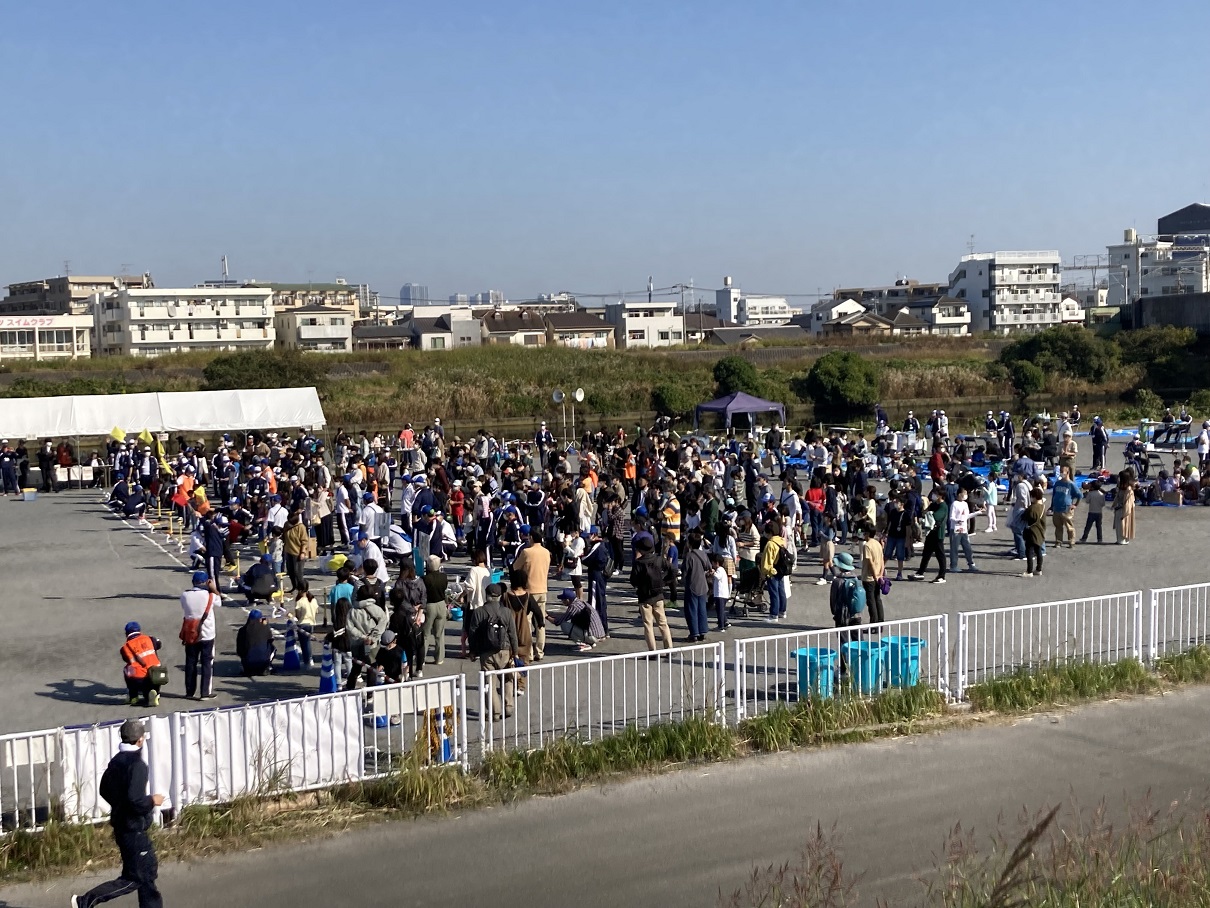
(970, 244)
(67, 267)
(224, 269)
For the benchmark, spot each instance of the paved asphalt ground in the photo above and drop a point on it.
(676, 839)
(74, 574)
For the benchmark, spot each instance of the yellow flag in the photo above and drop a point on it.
(146, 437)
(117, 434)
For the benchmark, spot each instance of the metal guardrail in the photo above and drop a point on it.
(594, 698)
(995, 642)
(1179, 619)
(769, 670)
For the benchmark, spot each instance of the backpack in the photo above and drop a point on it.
(657, 569)
(493, 637)
(852, 600)
(784, 565)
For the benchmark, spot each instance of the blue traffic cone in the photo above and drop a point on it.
(327, 672)
(291, 660)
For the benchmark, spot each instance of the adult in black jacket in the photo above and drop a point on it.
(124, 787)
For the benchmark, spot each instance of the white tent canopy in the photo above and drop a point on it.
(84, 415)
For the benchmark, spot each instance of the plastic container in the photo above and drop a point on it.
(816, 671)
(866, 664)
(903, 658)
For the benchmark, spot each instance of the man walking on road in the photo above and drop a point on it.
(197, 633)
(124, 787)
(533, 563)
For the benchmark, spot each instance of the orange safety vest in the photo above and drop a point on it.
(139, 654)
(270, 479)
(183, 491)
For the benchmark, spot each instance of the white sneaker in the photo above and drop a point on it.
(990, 530)
(1027, 574)
(938, 580)
(75, 902)
(821, 582)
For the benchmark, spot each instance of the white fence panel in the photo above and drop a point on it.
(1179, 620)
(427, 714)
(767, 668)
(30, 778)
(593, 698)
(995, 642)
(295, 745)
(87, 749)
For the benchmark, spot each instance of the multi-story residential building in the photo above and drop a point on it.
(492, 299)
(41, 337)
(1009, 291)
(154, 321)
(639, 323)
(460, 299)
(1161, 265)
(732, 305)
(70, 295)
(356, 299)
(315, 329)
(893, 297)
(414, 295)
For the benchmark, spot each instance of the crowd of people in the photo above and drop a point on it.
(713, 526)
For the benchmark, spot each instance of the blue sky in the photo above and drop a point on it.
(541, 146)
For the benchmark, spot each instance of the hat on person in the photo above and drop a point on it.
(275, 497)
(367, 497)
(568, 594)
(494, 591)
(419, 480)
(132, 627)
(594, 530)
(255, 615)
(524, 529)
(200, 578)
(266, 558)
(844, 561)
(433, 562)
(132, 731)
(387, 638)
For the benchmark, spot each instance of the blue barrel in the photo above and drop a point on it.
(816, 671)
(903, 654)
(865, 664)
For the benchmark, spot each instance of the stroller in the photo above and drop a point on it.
(747, 594)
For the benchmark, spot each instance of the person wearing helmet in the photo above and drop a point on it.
(143, 673)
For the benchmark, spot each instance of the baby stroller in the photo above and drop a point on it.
(747, 594)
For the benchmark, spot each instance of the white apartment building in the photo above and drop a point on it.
(152, 322)
(1009, 291)
(315, 329)
(644, 324)
(1157, 266)
(735, 307)
(41, 337)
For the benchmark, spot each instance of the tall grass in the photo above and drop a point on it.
(818, 719)
(1189, 667)
(1032, 686)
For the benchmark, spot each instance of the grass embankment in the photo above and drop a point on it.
(505, 777)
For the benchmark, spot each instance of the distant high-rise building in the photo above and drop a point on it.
(459, 299)
(413, 295)
(493, 298)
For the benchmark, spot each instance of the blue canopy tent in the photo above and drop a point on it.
(740, 403)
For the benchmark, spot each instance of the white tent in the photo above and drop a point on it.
(86, 415)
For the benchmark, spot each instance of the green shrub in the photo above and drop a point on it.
(1148, 403)
(671, 399)
(1068, 350)
(734, 373)
(840, 383)
(1027, 378)
(1146, 345)
(264, 369)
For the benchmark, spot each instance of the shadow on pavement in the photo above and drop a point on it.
(78, 690)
